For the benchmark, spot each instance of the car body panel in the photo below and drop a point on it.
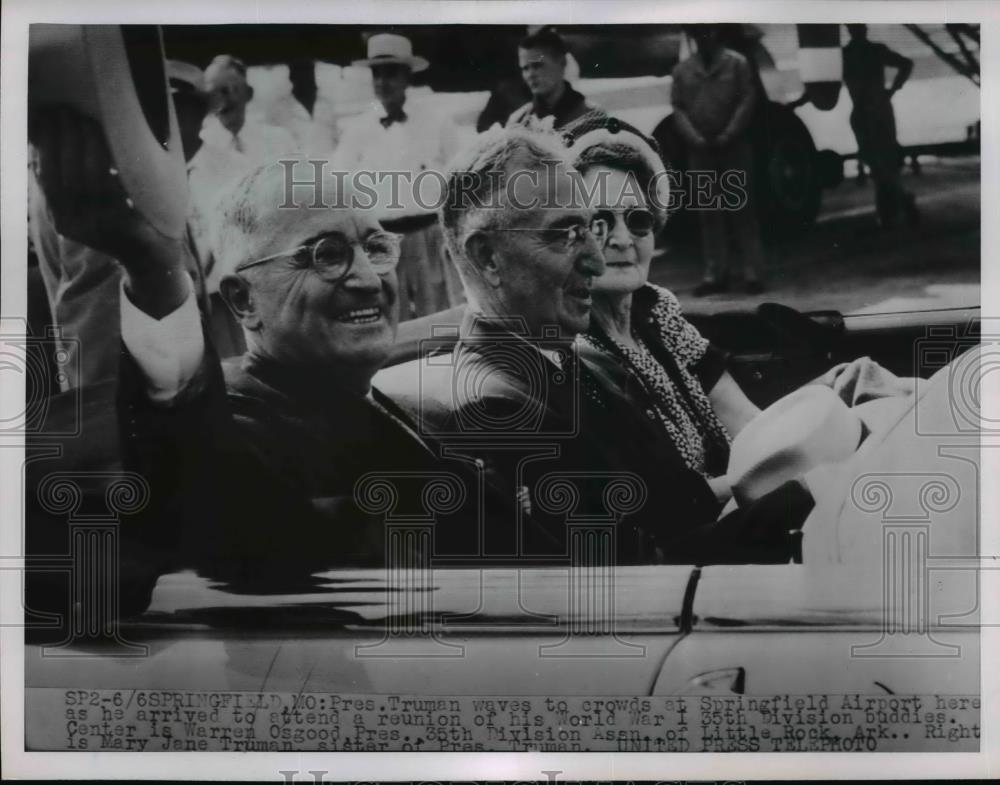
(820, 662)
(489, 632)
(802, 629)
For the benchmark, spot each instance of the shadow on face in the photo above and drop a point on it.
(390, 82)
(858, 31)
(228, 96)
(707, 37)
(543, 71)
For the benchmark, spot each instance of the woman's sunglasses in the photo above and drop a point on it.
(638, 220)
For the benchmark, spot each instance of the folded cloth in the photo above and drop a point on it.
(864, 380)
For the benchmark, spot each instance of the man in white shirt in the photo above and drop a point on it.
(408, 141)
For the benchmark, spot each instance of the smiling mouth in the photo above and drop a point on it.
(361, 316)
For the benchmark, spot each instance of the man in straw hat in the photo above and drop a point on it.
(396, 137)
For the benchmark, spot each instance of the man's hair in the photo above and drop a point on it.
(243, 209)
(238, 213)
(546, 39)
(224, 62)
(477, 179)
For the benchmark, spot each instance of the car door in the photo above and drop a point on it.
(799, 629)
(519, 631)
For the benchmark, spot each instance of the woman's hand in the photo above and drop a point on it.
(721, 488)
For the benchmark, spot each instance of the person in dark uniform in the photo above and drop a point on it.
(874, 122)
(542, 60)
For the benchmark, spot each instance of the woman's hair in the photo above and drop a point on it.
(598, 140)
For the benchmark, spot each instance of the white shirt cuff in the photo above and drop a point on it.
(168, 351)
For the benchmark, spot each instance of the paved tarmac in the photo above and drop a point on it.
(846, 262)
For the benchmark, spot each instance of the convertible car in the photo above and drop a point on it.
(882, 598)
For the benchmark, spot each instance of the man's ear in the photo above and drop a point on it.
(238, 295)
(249, 93)
(481, 252)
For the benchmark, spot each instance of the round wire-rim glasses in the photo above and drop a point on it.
(332, 255)
(570, 236)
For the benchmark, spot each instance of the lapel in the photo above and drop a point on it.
(402, 421)
(345, 418)
(480, 336)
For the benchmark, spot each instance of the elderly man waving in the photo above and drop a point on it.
(258, 466)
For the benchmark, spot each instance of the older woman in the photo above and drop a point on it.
(639, 340)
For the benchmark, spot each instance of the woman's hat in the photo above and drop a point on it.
(392, 49)
(590, 138)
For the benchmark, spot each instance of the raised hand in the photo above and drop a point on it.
(88, 204)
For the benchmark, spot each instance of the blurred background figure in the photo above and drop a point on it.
(713, 98)
(874, 122)
(82, 285)
(233, 143)
(509, 94)
(275, 103)
(542, 58)
(187, 89)
(396, 137)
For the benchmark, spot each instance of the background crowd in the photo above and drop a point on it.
(714, 98)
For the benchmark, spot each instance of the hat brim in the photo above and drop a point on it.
(415, 63)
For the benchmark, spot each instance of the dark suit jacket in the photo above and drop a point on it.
(254, 469)
(520, 407)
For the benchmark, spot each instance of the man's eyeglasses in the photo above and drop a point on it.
(570, 237)
(638, 220)
(332, 256)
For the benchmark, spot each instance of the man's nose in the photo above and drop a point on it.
(591, 260)
(362, 275)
